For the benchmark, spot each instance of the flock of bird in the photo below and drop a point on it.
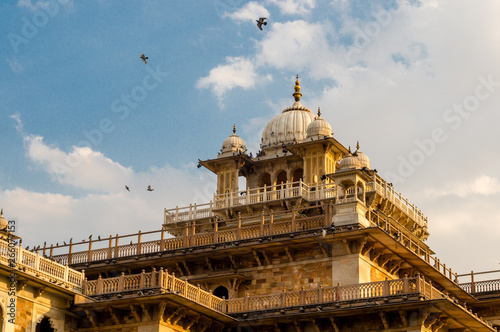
(148, 188)
(260, 22)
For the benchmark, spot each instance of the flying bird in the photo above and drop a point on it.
(144, 58)
(261, 22)
(126, 187)
(149, 188)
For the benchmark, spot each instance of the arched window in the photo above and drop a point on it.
(265, 180)
(221, 291)
(44, 326)
(281, 178)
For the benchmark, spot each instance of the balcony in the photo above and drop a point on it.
(151, 283)
(40, 267)
(483, 287)
(293, 190)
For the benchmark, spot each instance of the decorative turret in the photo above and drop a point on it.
(349, 162)
(319, 127)
(233, 145)
(363, 159)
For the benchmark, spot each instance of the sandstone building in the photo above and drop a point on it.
(316, 241)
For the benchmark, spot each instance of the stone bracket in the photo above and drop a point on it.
(114, 316)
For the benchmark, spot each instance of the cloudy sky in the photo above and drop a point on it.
(416, 82)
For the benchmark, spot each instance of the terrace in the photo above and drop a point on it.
(43, 268)
(294, 190)
(271, 226)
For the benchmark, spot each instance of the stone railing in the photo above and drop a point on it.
(404, 236)
(38, 266)
(288, 222)
(266, 227)
(264, 194)
(387, 191)
(139, 284)
(311, 193)
(480, 287)
(191, 212)
(161, 280)
(380, 289)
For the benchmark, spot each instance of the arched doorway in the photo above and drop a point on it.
(221, 292)
(44, 326)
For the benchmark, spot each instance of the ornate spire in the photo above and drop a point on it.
(234, 129)
(1, 213)
(297, 93)
(349, 149)
(357, 145)
(319, 112)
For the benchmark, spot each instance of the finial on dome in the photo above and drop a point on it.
(234, 129)
(357, 145)
(1, 212)
(297, 93)
(349, 149)
(319, 112)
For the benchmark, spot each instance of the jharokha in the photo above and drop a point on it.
(315, 241)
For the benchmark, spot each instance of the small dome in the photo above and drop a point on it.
(363, 159)
(349, 162)
(319, 127)
(288, 127)
(233, 145)
(3, 222)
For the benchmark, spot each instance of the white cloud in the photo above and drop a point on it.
(250, 12)
(483, 185)
(293, 7)
(56, 217)
(237, 72)
(19, 124)
(81, 168)
(298, 45)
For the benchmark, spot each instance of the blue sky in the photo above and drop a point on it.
(81, 115)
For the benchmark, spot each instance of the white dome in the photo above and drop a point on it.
(363, 159)
(232, 145)
(349, 162)
(319, 127)
(288, 127)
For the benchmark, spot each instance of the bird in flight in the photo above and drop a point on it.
(261, 22)
(144, 58)
(149, 188)
(126, 187)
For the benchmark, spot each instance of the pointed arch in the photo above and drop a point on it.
(221, 292)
